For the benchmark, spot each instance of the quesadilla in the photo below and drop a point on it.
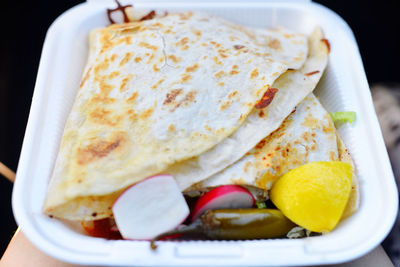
(306, 135)
(292, 87)
(162, 91)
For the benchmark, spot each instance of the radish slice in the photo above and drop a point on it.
(149, 208)
(223, 197)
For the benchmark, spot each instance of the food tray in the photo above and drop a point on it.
(343, 87)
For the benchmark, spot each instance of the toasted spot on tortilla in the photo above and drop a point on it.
(246, 166)
(185, 101)
(132, 114)
(102, 66)
(105, 88)
(147, 113)
(220, 130)
(267, 98)
(113, 57)
(306, 137)
(254, 73)
(332, 156)
(97, 149)
(221, 84)
(155, 68)
(233, 72)
(171, 96)
(101, 99)
(233, 94)
(208, 128)
(289, 35)
(127, 39)
(113, 74)
(266, 180)
(328, 129)
(296, 42)
(186, 78)
(223, 53)
(310, 122)
(124, 82)
(137, 59)
(219, 74)
(260, 144)
(148, 46)
(192, 68)
(105, 40)
(174, 58)
(182, 41)
(216, 60)
(196, 32)
(157, 83)
(185, 16)
(189, 97)
(85, 77)
(217, 45)
(171, 128)
(151, 57)
(225, 105)
(237, 47)
(239, 181)
(132, 98)
(126, 58)
(104, 117)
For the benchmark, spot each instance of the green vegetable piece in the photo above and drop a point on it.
(236, 224)
(341, 117)
(261, 205)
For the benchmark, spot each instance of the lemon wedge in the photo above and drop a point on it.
(314, 195)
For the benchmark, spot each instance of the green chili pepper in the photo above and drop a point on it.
(236, 224)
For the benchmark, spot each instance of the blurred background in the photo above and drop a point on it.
(24, 24)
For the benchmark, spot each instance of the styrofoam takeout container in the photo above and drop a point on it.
(343, 87)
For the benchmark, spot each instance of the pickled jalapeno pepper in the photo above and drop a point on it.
(236, 224)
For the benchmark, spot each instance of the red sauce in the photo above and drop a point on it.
(266, 98)
(104, 228)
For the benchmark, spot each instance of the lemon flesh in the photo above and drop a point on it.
(314, 195)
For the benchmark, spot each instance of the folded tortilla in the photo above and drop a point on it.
(306, 135)
(293, 86)
(159, 92)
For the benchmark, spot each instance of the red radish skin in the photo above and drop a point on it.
(225, 196)
(150, 207)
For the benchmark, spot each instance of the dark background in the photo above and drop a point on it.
(24, 24)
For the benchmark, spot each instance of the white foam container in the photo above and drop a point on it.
(343, 87)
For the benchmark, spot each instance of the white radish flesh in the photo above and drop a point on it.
(149, 208)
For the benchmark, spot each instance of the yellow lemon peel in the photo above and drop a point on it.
(314, 195)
